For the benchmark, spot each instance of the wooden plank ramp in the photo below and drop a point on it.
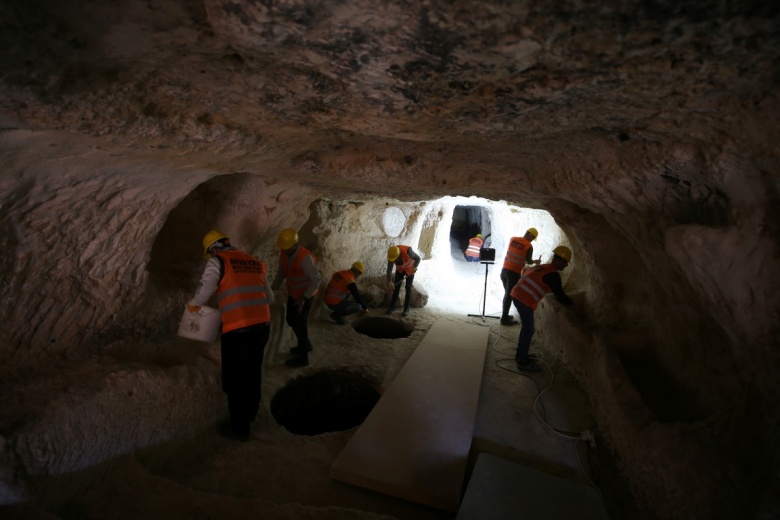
(503, 490)
(415, 442)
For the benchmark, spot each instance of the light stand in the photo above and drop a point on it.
(484, 293)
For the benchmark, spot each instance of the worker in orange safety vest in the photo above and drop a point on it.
(519, 253)
(244, 297)
(298, 267)
(405, 261)
(343, 284)
(534, 285)
(472, 251)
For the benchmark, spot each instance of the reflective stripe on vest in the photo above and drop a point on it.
(241, 292)
(475, 244)
(516, 254)
(407, 263)
(338, 287)
(297, 281)
(531, 289)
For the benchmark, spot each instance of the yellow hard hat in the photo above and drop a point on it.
(358, 266)
(288, 237)
(393, 253)
(533, 231)
(211, 237)
(479, 235)
(564, 252)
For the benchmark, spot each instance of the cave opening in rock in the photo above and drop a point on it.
(467, 222)
(328, 401)
(379, 327)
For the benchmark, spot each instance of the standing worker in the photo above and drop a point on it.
(520, 252)
(341, 285)
(472, 252)
(405, 261)
(526, 295)
(298, 267)
(244, 297)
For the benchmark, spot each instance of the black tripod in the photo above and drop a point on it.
(484, 295)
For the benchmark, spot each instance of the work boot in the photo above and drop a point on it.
(390, 310)
(297, 350)
(406, 312)
(509, 320)
(297, 361)
(338, 319)
(528, 366)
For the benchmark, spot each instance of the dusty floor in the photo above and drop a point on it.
(278, 474)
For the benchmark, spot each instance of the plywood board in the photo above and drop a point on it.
(503, 490)
(415, 442)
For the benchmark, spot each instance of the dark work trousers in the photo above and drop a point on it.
(509, 278)
(242, 364)
(345, 307)
(299, 322)
(526, 332)
(397, 289)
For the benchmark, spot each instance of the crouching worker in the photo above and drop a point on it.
(243, 294)
(343, 284)
(526, 295)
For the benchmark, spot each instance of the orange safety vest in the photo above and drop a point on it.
(475, 244)
(531, 289)
(516, 254)
(338, 287)
(407, 263)
(297, 281)
(241, 291)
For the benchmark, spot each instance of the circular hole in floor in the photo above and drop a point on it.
(327, 401)
(383, 328)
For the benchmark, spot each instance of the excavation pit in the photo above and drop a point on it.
(383, 328)
(328, 401)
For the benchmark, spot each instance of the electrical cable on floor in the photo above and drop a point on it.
(562, 433)
(577, 454)
(539, 396)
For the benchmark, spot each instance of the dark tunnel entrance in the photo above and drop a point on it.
(467, 222)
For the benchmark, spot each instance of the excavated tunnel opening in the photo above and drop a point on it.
(383, 328)
(328, 401)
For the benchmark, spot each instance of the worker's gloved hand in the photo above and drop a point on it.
(193, 308)
(390, 286)
(414, 270)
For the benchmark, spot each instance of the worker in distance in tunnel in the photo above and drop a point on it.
(519, 253)
(528, 292)
(298, 267)
(405, 261)
(337, 294)
(244, 295)
(472, 251)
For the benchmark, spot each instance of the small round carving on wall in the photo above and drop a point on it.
(393, 221)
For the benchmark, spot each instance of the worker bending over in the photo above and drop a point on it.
(405, 261)
(519, 253)
(343, 284)
(244, 298)
(298, 267)
(526, 295)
